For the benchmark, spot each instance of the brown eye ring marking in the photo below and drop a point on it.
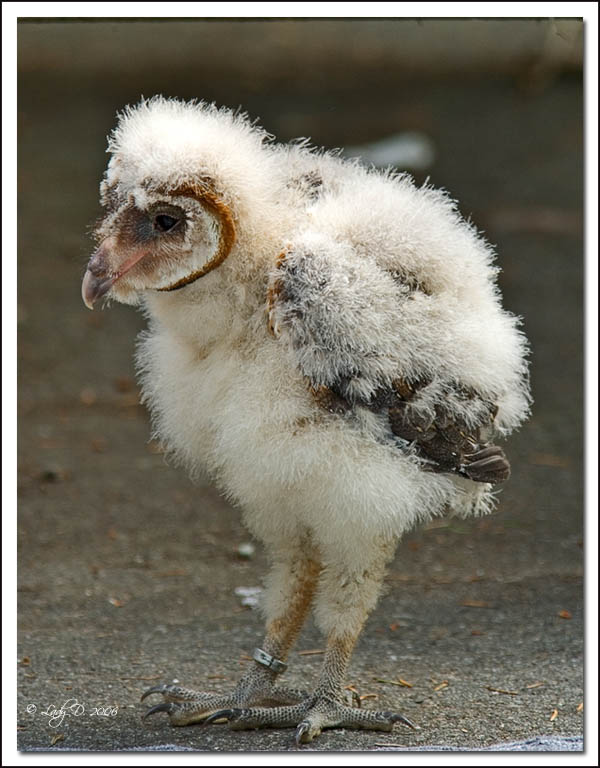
(206, 197)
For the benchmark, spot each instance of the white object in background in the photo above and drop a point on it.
(246, 550)
(250, 595)
(410, 151)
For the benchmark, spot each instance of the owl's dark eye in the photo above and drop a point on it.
(165, 223)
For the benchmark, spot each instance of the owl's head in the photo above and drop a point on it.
(182, 179)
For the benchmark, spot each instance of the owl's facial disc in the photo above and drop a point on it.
(160, 245)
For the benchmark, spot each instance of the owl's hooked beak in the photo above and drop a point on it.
(101, 275)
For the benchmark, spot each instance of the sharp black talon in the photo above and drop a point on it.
(166, 706)
(300, 731)
(154, 689)
(396, 718)
(222, 713)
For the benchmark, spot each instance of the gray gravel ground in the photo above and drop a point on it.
(127, 571)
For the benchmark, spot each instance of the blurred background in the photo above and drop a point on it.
(492, 110)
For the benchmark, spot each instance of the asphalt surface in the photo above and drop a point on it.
(127, 571)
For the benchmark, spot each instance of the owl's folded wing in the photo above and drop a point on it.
(355, 335)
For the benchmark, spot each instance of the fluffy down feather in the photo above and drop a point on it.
(276, 371)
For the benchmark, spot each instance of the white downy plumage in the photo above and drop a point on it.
(330, 278)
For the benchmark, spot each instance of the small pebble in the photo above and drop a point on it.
(88, 396)
(250, 596)
(246, 551)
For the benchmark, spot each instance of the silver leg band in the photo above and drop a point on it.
(269, 661)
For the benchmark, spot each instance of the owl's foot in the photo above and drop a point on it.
(185, 706)
(310, 717)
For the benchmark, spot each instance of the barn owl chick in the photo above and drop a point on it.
(328, 342)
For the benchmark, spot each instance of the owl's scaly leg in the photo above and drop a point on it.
(343, 603)
(325, 708)
(293, 583)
